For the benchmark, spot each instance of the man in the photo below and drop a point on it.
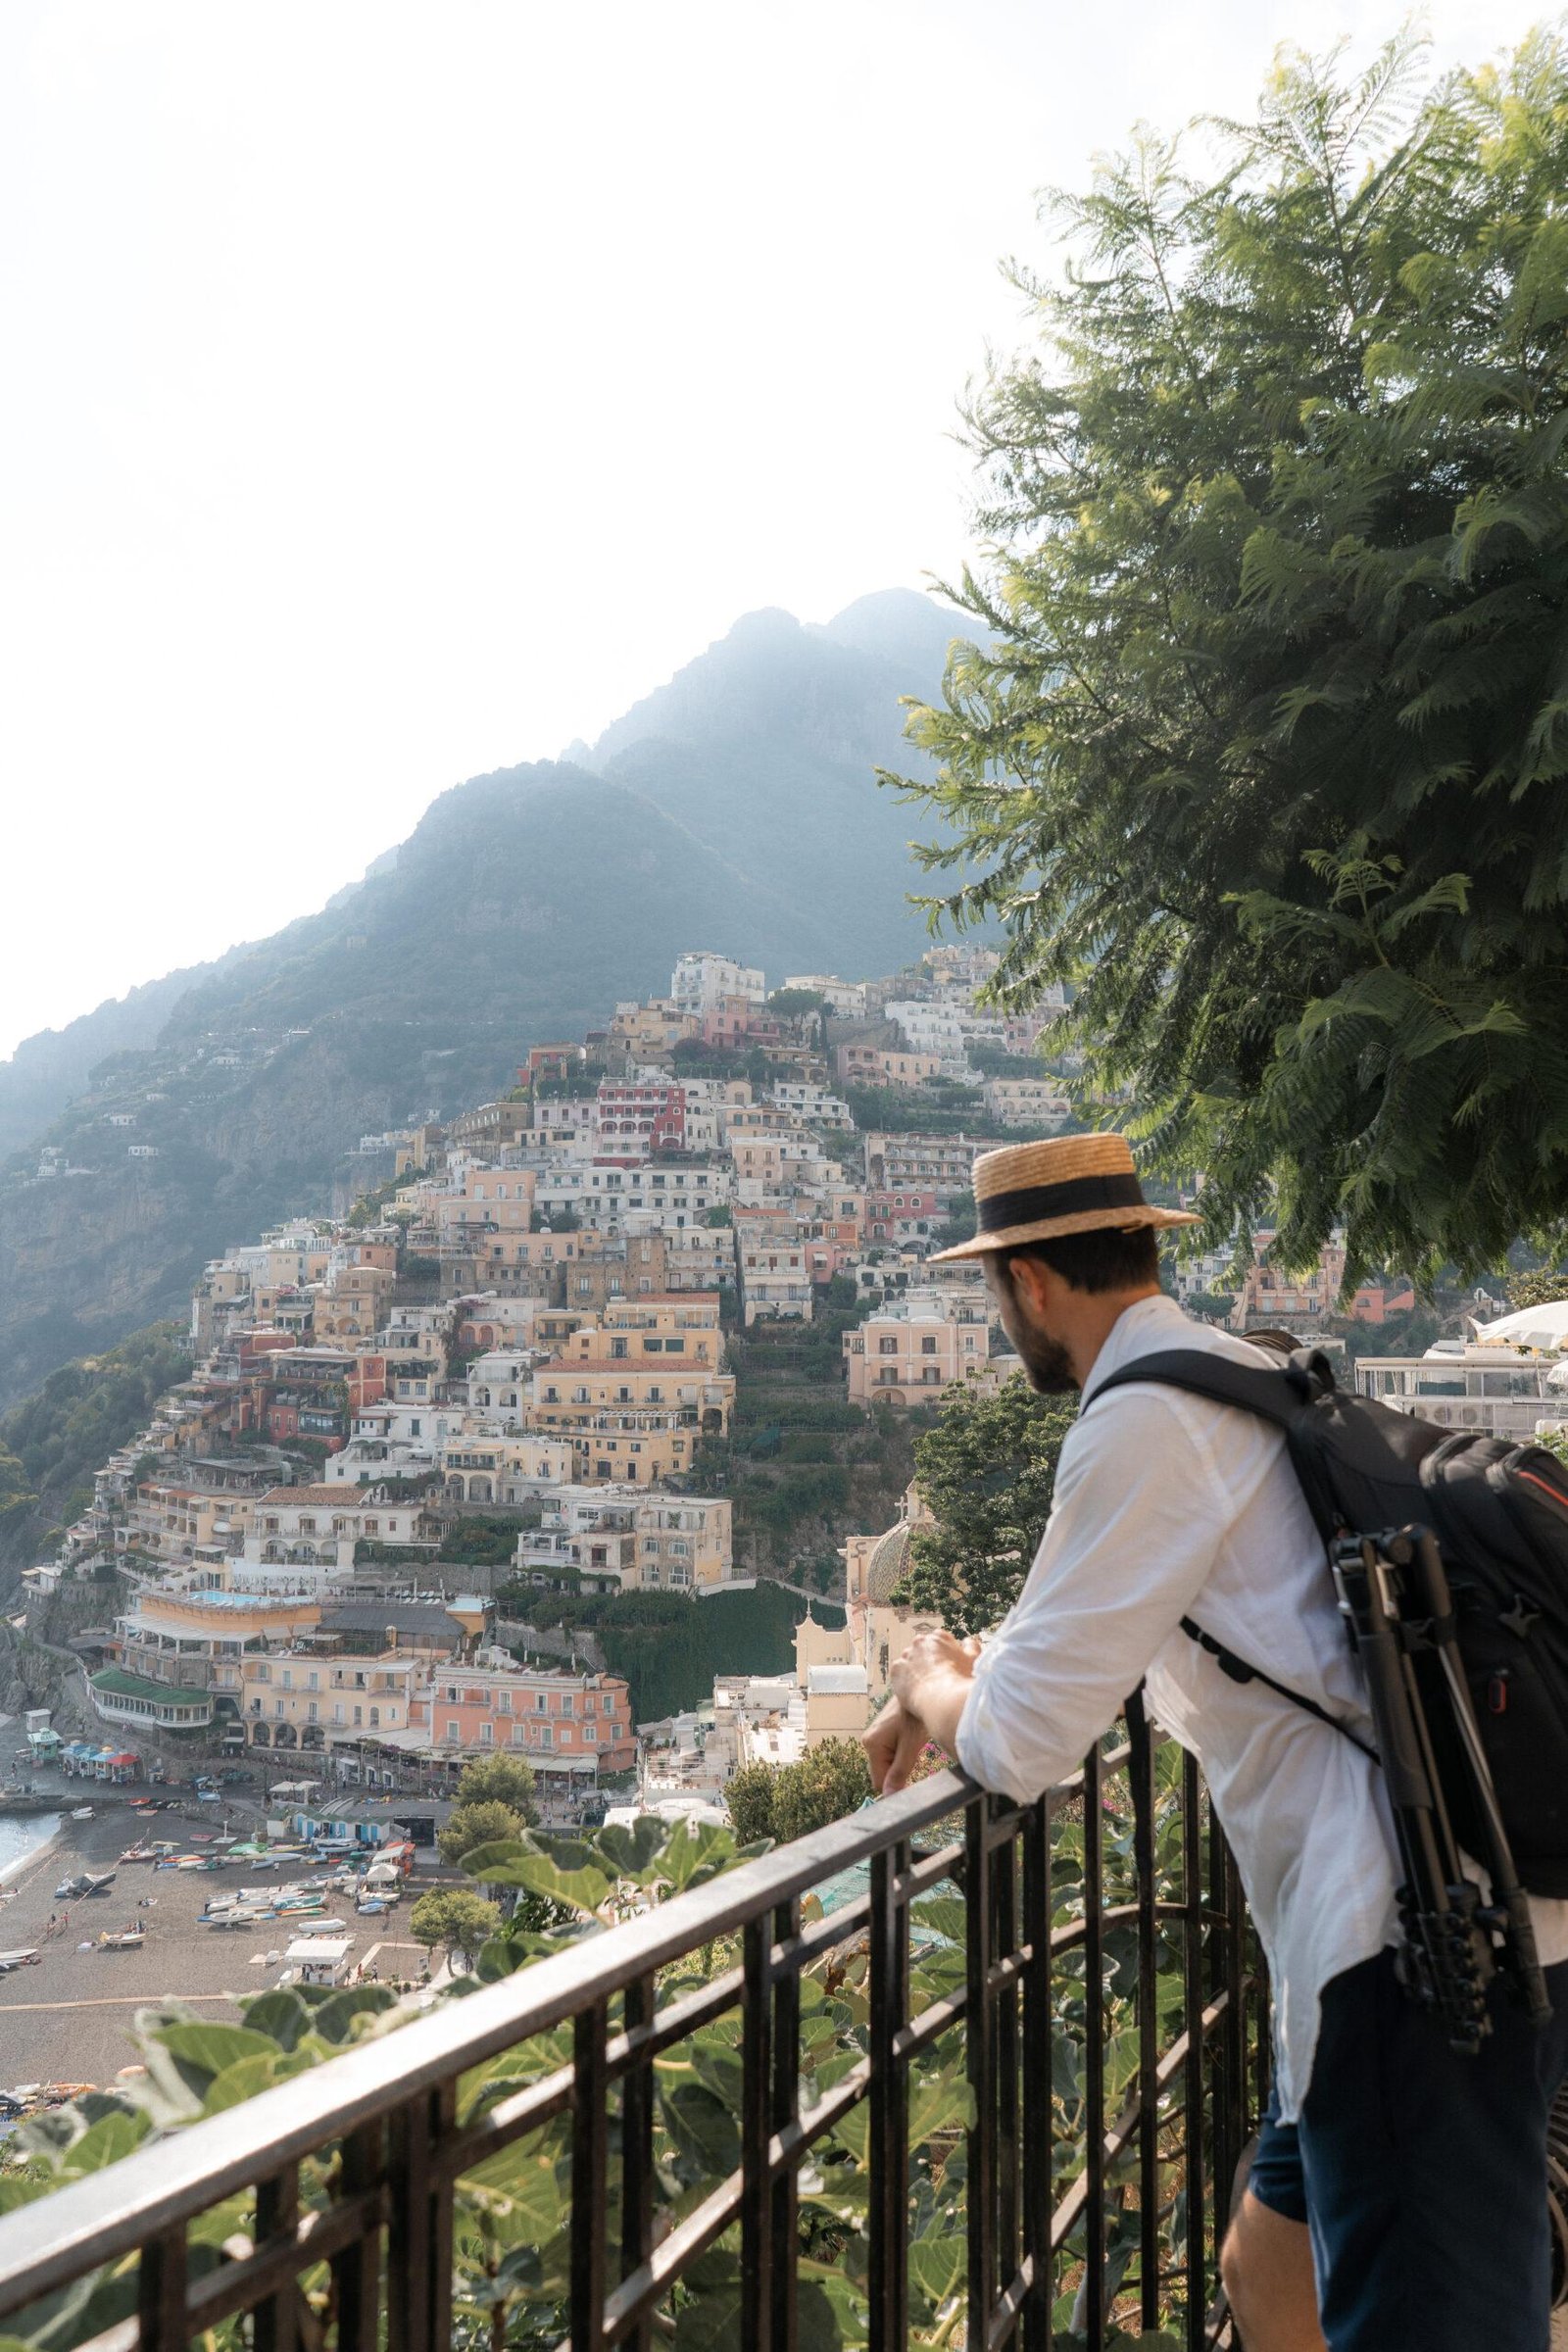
(1397, 2200)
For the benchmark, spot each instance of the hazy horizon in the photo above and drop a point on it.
(403, 396)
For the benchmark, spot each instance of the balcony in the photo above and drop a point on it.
(1076, 2179)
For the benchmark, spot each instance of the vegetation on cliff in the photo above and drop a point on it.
(52, 1443)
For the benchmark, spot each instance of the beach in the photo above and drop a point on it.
(68, 2017)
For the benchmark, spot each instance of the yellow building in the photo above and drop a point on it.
(303, 1700)
(176, 1523)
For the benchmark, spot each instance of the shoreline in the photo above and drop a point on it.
(34, 1854)
(66, 2017)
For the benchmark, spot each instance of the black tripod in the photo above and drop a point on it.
(1395, 1595)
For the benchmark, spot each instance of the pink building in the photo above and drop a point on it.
(634, 1119)
(576, 1723)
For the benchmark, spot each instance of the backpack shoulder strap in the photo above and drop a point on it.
(1277, 1396)
(1273, 1395)
(1240, 1672)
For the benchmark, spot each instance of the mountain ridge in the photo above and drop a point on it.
(522, 907)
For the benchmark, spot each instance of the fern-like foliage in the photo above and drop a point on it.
(1263, 741)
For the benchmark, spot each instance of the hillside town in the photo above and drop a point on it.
(505, 1366)
(526, 1324)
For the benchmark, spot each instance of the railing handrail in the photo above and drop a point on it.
(46, 2243)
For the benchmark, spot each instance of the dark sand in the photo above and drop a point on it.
(67, 2018)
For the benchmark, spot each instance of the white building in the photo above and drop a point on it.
(702, 978)
(774, 1278)
(845, 997)
(1027, 1102)
(1497, 1392)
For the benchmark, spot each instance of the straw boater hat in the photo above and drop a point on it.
(1072, 1183)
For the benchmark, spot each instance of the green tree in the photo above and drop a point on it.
(986, 1473)
(749, 1795)
(499, 1781)
(454, 1916)
(1265, 745)
(469, 1825)
(782, 1802)
(829, 1780)
(1540, 1285)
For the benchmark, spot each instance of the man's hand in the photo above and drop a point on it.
(893, 1745)
(930, 1683)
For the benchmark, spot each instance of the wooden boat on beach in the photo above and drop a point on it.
(122, 1939)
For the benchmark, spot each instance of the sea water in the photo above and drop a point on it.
(22, 1839)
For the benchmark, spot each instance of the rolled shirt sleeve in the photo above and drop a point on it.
(1140, 1510)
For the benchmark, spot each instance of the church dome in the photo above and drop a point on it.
(887, 1564)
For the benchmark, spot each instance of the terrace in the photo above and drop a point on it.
(409, 2194)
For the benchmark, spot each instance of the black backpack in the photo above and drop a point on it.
(1500, 1513)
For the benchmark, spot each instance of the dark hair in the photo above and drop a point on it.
(1112, 1259)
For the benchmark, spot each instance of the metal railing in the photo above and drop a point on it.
(1095, 2171)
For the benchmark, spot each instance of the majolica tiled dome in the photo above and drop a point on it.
(887, 1564)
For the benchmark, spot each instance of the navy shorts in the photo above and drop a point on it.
(1420, 2174)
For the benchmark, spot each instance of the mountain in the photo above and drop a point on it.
(733, 809)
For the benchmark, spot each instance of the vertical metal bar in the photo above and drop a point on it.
(1094, 2055)
(274, 2326)
(1141, 1785)
(357, 2271)
(443, 2114)
(162, 2324)
(756, 2055)
(977, 2046)
(419, 2255)
(889, 2100)
(637, 2155)
(783, 2108)
(1004, 2061)
(1037, 2088)
(1193, 2007)
(1230, 2090)
(589, 2136)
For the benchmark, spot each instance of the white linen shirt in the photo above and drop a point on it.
(1166, 1506)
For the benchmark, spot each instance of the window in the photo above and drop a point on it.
(928, 1347)
(452, 1729)
(277, 1706)
(887, 1346)
(487, 1732)
(518, 1735)
(375, 1718)
(504, 1702)
(313, 1712)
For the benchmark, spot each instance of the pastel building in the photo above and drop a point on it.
(570, 1724)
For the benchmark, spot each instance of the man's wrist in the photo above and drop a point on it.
(939, 1700)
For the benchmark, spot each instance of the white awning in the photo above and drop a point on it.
(1543, 1328)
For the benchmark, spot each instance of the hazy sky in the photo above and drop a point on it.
(394, 392)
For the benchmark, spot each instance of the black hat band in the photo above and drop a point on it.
(1034, 1203)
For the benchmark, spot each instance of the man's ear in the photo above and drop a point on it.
(1030, 1281)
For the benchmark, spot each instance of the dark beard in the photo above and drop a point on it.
(1047, 1364)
